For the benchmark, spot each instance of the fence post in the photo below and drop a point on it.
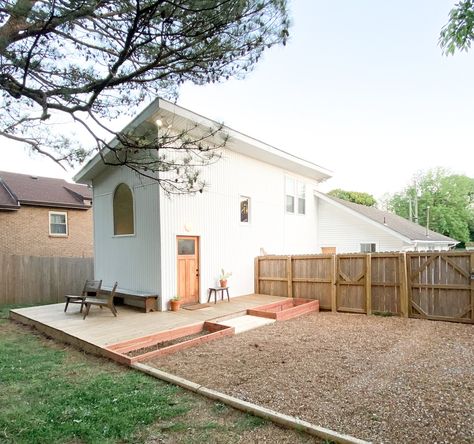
(334, 283)
(368, 283)
(403, 285)
(289, 276)
(472, 285)
(256, 275)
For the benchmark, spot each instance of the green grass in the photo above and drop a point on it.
(47, 397)
(52, 393)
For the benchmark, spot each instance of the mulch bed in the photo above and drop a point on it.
(383, 379)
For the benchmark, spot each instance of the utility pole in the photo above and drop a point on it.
(427, 220)
(416, 203)
(410, 210)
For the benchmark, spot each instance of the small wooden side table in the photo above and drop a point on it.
(216, 290)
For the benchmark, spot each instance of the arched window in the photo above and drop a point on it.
(123, 210)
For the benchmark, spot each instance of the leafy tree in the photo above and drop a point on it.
(450, 198)
(459, 31)
(93, 60)
(354, 196)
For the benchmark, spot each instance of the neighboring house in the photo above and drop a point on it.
(346, 227)
(259, 199)
(42, 216)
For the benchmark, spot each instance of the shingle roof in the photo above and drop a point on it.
(17, 189)
(399, 224)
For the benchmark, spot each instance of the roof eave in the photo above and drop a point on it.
(33, 203)
(246, 145)
(434, 241)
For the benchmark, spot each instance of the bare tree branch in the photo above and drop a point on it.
(103, 58)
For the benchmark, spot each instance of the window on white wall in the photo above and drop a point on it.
(301, 189)
(244, 209)
(368, 248)
(123, 210)
(295, 196)
(290, 195)
(57, 223)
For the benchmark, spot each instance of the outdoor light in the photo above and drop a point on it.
(159, 122)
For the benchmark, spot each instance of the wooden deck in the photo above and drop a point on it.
(101, 328)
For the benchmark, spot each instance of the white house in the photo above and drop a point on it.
(177, 245)
(346, 227)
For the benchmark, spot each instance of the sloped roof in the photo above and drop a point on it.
(183, 119)
(24, 189)
(410, 230)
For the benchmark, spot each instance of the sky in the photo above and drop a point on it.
(362, 89)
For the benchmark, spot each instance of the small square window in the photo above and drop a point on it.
(57, 223)
(368, 248)
(244, 209)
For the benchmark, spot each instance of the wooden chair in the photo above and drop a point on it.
(91, 288)
(102, 302)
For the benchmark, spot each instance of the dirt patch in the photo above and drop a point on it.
(163, 344)
(384, 379)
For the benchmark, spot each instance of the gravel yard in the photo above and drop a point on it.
(383, 379)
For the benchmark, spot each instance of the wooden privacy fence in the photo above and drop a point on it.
(431, 285)
(36, 280)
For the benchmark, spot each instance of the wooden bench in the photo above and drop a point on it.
(145, 300)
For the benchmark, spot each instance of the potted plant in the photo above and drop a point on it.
(175, 303)
(223, 278)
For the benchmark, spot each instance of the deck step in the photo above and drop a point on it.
(246, 322)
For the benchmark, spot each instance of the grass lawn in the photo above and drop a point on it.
(52, 393)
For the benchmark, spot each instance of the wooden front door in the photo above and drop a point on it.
(188, 269)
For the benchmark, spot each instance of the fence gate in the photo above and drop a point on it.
(351, 282)
(441, 286)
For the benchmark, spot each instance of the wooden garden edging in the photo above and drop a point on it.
(245, 406)
(430, 285)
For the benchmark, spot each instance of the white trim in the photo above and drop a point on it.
(419, 241)
(62, 213)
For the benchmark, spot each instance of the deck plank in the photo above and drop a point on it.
(101, 328)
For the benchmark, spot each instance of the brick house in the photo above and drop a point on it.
(42, 216)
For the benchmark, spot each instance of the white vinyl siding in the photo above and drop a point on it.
(347, 232)
(226, 242)
(147, 261)
(132, 261)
